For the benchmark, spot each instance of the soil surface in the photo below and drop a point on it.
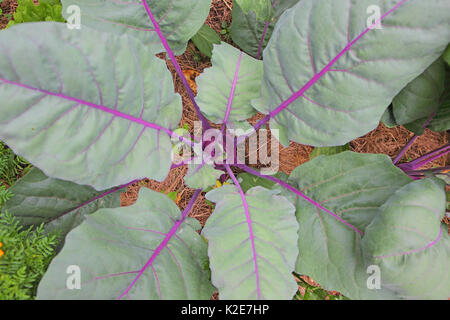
(381, 140)
(8, 7)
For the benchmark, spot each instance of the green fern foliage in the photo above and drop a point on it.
(5, 195)
(12, 166)
(24, 257)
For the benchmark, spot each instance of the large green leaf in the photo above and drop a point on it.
(420, 97)
(254, 21)
(330, 78)
(226, 89)
(146, 248)
(60, 205)
(441, 120)
(350, 184)
(353, 186)
(179, 20)
(261, 8)
(439, 123)
(86, 106)
(409, 244)
(252, 257)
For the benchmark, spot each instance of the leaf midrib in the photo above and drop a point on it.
(103, 108)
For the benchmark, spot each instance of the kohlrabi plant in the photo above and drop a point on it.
(93, 108)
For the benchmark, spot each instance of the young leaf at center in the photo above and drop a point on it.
(226, 89)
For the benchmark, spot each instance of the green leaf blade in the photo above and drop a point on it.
(104, 124)
(202, 176)
(254, 21)
(313, 64)
(421, 97)
(441, 119)
(59, 205)
(229, 85)
(205, 39)
(235, 271)
(407, 241)
(179, 20)
(353, 186)
(121, 242)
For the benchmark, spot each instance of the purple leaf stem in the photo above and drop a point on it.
(432, 170)
(403, 253)
(420, 174)
(431, 156)
(230, 98)
(413, 139)
(164, 243)
(299, 193)
(258, 55)
(250, 228)
(176, 65)
(405, 148)
(266, 27)
(431, 159)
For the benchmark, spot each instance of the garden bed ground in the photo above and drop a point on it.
(381, 140)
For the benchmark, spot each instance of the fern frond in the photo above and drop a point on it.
(27, 254)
